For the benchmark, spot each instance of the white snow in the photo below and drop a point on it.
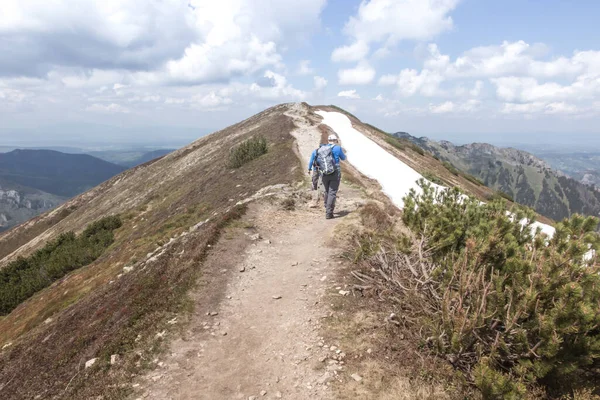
(395, 177)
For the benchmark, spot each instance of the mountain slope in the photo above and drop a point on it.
(61, 174)
(173, 211)
(129, 301)
(526, 178)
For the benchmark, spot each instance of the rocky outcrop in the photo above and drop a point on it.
(18, 204)
(528, 179)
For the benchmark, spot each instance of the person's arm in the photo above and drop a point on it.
(312, 160)
(341, 153)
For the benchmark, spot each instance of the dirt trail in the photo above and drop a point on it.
(260, 338)
(265, 336)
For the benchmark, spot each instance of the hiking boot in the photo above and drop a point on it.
(329, 216)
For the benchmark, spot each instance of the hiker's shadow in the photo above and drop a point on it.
(343, 213)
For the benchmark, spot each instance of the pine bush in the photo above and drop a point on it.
(247, 151)
(24, 277)
(514, 308)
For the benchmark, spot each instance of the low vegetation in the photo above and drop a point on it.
(402, 144)
(24, 277)
(340, 109)
(516, 312)
(247, 151)
(451, 168)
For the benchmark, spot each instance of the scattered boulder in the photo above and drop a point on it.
(114, 359)
(356, 377)
(90, 363)
(255, 237)
(277, 297)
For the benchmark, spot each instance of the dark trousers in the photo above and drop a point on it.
(331, 184)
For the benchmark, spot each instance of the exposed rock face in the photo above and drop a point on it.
(528, 179)
(18, 204)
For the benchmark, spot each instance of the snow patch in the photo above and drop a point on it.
(395, 177)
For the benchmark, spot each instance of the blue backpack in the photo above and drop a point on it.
(325, 160)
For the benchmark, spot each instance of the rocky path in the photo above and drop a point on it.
(262, 340)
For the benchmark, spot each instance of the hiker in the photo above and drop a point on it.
(327, 157)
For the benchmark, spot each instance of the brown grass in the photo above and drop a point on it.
(385, 354)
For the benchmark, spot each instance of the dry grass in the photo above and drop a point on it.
(386, 355)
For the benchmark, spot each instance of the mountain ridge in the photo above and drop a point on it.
(523, 176)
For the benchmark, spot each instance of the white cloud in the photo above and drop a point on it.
(443, 108)
(180, 41)
(355, 52)
(511, 58)
(278, 89)
(320, 83)
(540, 107)
(379, 97)
(410, 82)
(350, 94)
(521, 75)
(476, 91)
(174, 100)
(12, 95)
(304, 68)
(530, 90)
(210, 101)
(362, 74)
(456, 108)
(112, 108)
(390, 21)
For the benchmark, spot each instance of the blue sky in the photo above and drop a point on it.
(131, 71)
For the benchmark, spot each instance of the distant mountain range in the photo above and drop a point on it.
(35, 181)
(524, 177)
(130, 158)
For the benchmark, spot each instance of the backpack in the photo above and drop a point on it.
(325, 160)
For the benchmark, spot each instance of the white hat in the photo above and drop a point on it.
(332, 138)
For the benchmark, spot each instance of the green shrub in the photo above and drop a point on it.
(451, 168)
(473, 179)
(499, 194)
(247, 151)
(512, 309)
(376, 129)
(23, 277)
(340, 109)
(433, 178)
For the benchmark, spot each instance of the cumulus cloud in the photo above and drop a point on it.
(354, 52)
(210, 101)
(524, 79)
(410, 82)
(38, 35)
(320, 83)
(511, 58)
(387, 22)
(350, 94)
(304, 68)
(112, 108)
(443, 108)
(455, 108)
(362, 74)
(172, 41)
(276, 87)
